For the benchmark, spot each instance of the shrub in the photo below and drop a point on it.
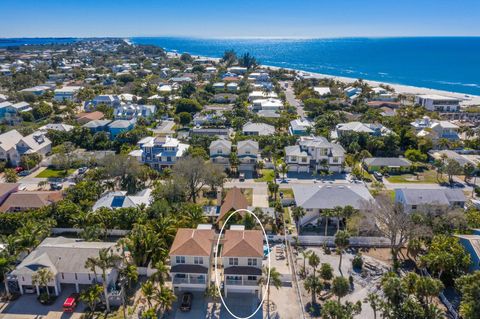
(357, 262)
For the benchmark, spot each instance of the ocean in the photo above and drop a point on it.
(443, 63)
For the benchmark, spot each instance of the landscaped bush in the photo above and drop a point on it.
(357, 262)
(45, 299)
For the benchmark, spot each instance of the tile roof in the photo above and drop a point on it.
(192, 242)
(233, 200)
(30, 200)
(243, 243)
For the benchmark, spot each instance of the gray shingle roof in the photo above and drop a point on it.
(387, 161)
(327, 196)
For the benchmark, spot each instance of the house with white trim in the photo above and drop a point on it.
(220, 151)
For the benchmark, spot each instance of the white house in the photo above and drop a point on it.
(435, 200)
(322, 91)
(67, 93)
(438, 103)
(258, 129)
(190, 258)
(374, 129)
(269, 104)
(242, 256)
(258, 95)
(120, 199)
(247, 154)
(300, 126)
(133, 111)
(314, 153)
(436, 129)
(220, 151)
(65, 258)
(161, 151)
(13, 145)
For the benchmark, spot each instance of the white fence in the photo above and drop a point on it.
(354, 241)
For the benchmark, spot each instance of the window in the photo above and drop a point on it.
(253, 278)
(180, 259)
(233, 261)
(414, 206)
(76, 277)
(252, 261)
(63, 276)
(198, 260)
(89, 278)
(219, 151)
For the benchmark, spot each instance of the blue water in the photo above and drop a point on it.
(444, 63)
(12, 42)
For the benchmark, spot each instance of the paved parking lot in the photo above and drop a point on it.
(27, 306)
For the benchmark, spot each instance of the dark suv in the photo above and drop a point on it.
(186, 304)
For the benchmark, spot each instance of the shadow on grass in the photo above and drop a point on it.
(313, 309)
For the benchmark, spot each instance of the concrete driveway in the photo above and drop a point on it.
(199, 307)
(241, 305)
(27, 306)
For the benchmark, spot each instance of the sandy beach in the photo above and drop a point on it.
(467, 99)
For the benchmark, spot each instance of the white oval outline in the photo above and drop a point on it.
(216, 263)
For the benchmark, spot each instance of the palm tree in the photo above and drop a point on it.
(375, 303)
(42, 277)
(274, 280)
(284, 170)
(337, 212)
(148, 290)
(106, 260)
(91, 297)
(314, 261)
(298, 212)
(326, 213)
(306, 255)
(165, 298)
(193, 217)
(129, 272)
(340, 287)
(161, 273)
(313, 285)
(342, 240)
(213, 293)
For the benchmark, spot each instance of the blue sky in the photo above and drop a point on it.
(235, 18)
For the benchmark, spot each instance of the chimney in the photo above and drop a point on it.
(219, 196)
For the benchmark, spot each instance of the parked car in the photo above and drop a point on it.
(186, 304)
(24, 173)
(82, 170)
(71, 302)
(378, 176)
(18, 169)
(241, 177)
(56, 186)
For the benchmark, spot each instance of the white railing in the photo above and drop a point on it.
(239, 282)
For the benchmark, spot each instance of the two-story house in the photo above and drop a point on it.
(161, 151)
(435, 129)
(242, 255)
(247, 154)
(438, 103)
(220, 151)
(67, 93)
(133, 111)
(65, 258)
(190, 258)
(13, 145)
(315, 153)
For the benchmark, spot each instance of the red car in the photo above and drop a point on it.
(71, 302)
(18, 169)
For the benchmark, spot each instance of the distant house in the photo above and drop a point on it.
(6, 189)
(300, 127)
(218, 132)
(190, 257)
(220, 151)
(258, 129)
(11, 113)
(67, 93)
(352, 92)
(461, 159)
(13, 145)
(314, 153)
(161, 152)
(107, 99)
(83, 118)
(471, 243)
(119, 126)
(97, 126)
(65, 258)
(436, 129)
(318, 197)
(120, 199)
(437, 200)
(322, 91)
(359, 127)
(238, 69)
(26, 200)
(224, 98)
(269, 104)
(134, 111)
(389, 164)
(438, 103)
(219, 87)
(59, 127)
(261, 95)
(38, 90)
(242, 256)
(247, 154)
(234, 200)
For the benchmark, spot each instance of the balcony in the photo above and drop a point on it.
(189, 280)
(239, 282)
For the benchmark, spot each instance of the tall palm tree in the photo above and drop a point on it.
(326, 213)
(306, 255)
(342, 240)
(314, 286)
(298, 212)
(91, 297)
(337, 212)
(375, 303)
(165, 298)
(42, 277)
(107, 260)
(161, 273)
(148, 290)
(274, 280)
(314, 261)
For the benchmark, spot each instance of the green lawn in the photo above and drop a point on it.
(287, 192)
(54, 173)
(267, 175)
(426, 177)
